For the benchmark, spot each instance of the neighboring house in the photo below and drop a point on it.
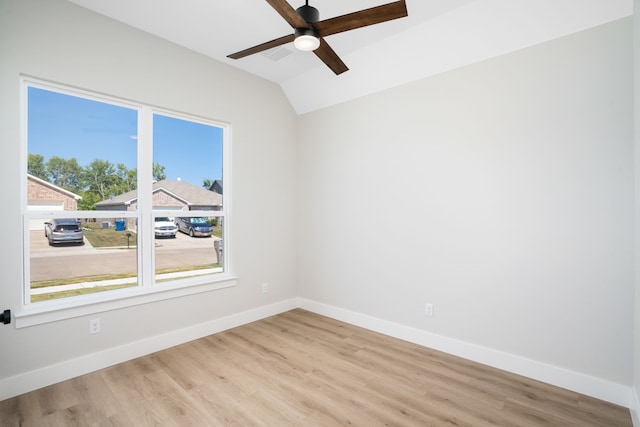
(168, 195)
(44, 196)
(216, 186)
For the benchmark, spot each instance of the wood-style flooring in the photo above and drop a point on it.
(302, 369)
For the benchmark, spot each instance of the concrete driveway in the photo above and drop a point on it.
(65, 261)
(40, 246)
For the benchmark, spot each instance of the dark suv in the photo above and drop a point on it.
(195, 226)
(63, 231)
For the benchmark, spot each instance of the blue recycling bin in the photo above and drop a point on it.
(120, 225)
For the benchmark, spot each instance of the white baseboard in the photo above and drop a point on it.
(33, 380)
(550, 374)
(634, 407)
(571, 380)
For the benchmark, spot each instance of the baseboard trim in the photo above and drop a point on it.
(591, 386)
(33, 380)
(571, 380)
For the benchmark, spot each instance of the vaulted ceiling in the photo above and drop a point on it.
(437, 36)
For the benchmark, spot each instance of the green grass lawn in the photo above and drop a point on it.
(108, 237)
(74, 292)
(217, 231)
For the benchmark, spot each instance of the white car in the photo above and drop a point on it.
(165, 227)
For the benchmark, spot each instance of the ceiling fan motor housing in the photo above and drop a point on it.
(309, 13)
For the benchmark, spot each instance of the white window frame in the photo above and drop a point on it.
(147, 290)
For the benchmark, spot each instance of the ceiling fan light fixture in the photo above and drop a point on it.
(306, 40)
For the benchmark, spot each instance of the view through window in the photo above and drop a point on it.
(89, 212)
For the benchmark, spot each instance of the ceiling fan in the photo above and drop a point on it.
(309, 31)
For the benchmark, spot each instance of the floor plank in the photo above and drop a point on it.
(302, 369)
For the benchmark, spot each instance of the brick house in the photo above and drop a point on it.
(167, 195)
(47, 197)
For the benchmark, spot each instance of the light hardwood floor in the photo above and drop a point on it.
(302, 369)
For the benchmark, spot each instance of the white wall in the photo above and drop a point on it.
(501, 192)
(61, 42)
(636, 395)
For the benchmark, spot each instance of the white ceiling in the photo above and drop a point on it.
(438, 35)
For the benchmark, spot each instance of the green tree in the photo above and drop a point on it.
(207, 183)
(95, 182)
(36, 167)
(158, 172)
(128, 178)
(65, 173)
(100, 178)
(89, 199)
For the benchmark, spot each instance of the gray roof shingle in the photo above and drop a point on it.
(189, 193)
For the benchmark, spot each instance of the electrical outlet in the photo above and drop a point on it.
(428, 309)
(265, 287)
(94, 326)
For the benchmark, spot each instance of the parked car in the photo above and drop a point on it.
(195, 226)
(164, 227)
(66, 230)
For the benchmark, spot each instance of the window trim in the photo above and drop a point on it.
(147, 290)
(62, 309)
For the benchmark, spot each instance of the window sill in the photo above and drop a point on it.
(55, 310)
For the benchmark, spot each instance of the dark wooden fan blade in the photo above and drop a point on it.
(263, 46)
(329, 57)
(363, 18)
(288, 13)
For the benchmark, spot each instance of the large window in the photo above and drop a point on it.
(121, 199)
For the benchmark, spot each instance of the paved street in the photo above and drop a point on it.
(61, 262)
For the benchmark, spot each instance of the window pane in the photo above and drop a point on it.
(70, 257)
(189, 152)
(195, 250)
(187, 157)
(82, 154)
(81, 146)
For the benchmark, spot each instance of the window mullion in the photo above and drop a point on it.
(145, 204)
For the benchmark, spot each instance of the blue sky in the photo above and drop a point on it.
(67, 126)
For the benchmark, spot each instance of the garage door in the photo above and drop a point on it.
(38, 224)
(178, 209)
